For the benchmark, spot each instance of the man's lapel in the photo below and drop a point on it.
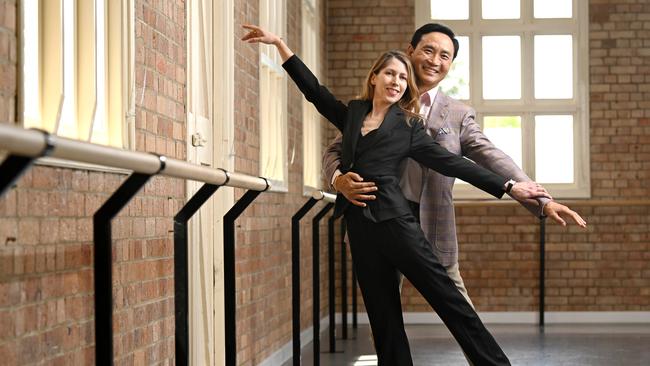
(438, 112)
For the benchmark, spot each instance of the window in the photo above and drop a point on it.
(273, 99)
(523, 66)
(200, 82)
(311, 140)
(76, 68)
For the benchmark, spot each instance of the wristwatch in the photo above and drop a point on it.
(509, 184)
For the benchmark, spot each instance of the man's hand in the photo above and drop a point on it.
(553, 210)
(352, 186)
(527, 191)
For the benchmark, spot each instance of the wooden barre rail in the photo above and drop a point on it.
(32, 143)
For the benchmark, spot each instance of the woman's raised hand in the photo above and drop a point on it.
(258, 35)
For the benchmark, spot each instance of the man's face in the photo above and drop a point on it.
(431, 58)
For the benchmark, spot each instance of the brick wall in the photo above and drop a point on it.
(619, 49)
(603, 268)
(46, 289)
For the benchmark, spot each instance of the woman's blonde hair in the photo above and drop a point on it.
(410, 101)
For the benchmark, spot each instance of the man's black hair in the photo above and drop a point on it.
(435, 27)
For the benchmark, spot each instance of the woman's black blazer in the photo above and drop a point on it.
(378, 157)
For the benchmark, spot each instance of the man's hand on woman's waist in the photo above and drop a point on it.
(352, 187)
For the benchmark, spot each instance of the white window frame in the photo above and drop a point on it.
(119, 85)
(273, 100)
(311, 120)
(527, 106)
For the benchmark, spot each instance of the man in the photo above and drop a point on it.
(432, 50)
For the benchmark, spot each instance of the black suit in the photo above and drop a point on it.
(385, 237)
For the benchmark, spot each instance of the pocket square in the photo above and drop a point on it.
(444, 131)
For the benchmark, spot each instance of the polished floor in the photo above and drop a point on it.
(558, 345)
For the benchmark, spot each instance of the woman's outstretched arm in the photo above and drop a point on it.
(326, 104)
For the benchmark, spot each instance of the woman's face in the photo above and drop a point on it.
(390, 82)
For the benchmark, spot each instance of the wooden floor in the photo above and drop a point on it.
(558, 345)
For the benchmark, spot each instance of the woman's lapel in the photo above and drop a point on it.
(356, 114)
(394, 116)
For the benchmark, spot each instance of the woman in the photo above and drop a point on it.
(379, 131)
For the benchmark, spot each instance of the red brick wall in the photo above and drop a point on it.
(601, 268)
(620, 99)
(46, 289)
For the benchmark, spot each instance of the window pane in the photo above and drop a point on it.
(272, 144)
(31, 70)
(100, 124)
(554, 149)
(505, 133)
(554, 67)
(553, 9)
(501, 67)
(501, 9)
(67, 120)
(311, 140)
(444, 9)
(265, 121)
(456, 84)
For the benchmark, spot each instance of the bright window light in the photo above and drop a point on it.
(554, 66)
(554, 149)
(553, 9)
(67, 120)
(500, 9)
(100, 124)
(450, 10)
(501, 67)
(31, 69)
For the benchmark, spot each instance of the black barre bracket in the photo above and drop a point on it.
(230, 294)
(316, 280)
(14, 166)
(295, 276)
(102, 257)
(542, 270)
(181, 282)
